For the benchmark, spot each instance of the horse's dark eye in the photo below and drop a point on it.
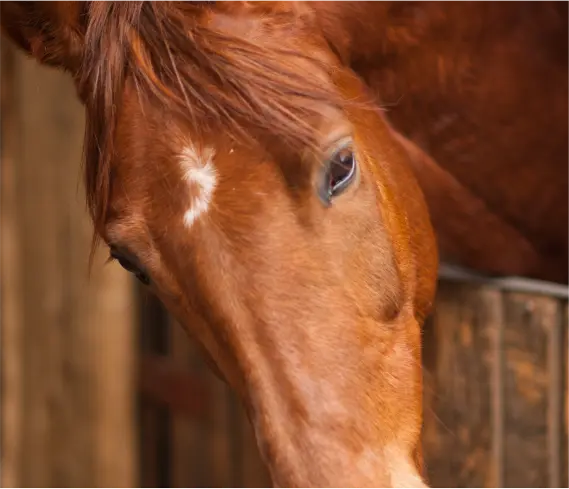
(142, 277)
(129, 266)
(338, 173)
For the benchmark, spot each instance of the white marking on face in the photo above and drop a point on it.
(200, 173)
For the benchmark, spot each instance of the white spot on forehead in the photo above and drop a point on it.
(199, 172)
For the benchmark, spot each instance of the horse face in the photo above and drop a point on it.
(292, 260)
(282, 265)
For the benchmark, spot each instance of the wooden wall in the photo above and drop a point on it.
(68, 343)
(496, 387)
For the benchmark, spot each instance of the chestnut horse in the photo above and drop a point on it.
(236, 164)
(237, 168)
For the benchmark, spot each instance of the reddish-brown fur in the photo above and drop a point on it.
(478, 90)
(313, 314)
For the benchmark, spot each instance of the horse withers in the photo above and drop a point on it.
(238, 168)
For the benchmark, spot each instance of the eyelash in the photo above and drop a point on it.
(129, 267)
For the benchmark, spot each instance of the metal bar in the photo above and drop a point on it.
(511, 284)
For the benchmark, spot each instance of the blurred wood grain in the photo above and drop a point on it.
(68, 338)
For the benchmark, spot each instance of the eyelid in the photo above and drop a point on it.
(338, 145)
(335, 135)
(118, 250)
(121, 254)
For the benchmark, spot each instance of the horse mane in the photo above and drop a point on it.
(197, 71)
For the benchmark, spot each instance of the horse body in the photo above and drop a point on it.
(478, 95)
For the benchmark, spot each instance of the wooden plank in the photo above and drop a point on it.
(103, 320)
(218, 433)
(154, 423)
(460, 345)
(76, 355)
(203, 467)
(529, 321)
(148, 444)
(564, 478)
(254, 473)
(95, 359)
(41, 277)
(553, 323)
(11, 321)
(187, 451)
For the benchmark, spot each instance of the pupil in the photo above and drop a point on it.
(341, 168)
(338, 174)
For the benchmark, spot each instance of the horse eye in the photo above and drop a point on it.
(338, 173)
(130, 267)
(142, 277)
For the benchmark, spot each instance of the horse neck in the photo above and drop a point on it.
(361, 31)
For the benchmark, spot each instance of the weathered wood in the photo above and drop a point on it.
(10, 274)
(528, 322)
(495, 388)
(556, 349)
(565, 408)
(73, 358)
(459, 357)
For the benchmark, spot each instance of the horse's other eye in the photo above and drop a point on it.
(129, 266)
(338, 172)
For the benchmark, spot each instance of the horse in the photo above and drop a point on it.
(477, 92)
(273, 173)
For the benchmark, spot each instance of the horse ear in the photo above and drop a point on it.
(51, 32)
